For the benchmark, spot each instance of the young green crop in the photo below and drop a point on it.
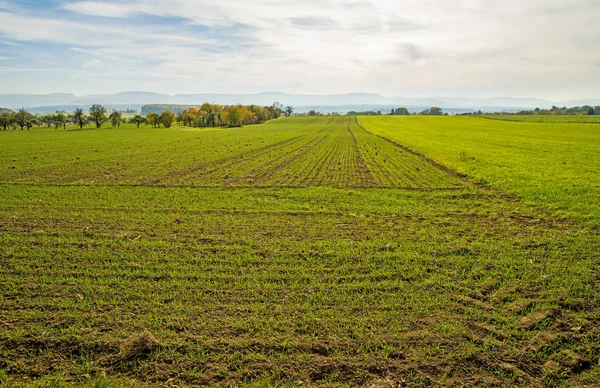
(549, 164)
(298, 152)
(347, 261)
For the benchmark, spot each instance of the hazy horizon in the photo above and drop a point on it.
(478, 49)
(315, 93)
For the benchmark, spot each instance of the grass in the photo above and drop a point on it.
(385, 270)
(291, 153)
(547, 164)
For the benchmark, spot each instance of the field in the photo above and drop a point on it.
(333, 152)
(548, 164)
(301, 252)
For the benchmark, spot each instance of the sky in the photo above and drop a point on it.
(414, 48)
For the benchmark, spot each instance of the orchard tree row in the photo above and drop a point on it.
(206, 115)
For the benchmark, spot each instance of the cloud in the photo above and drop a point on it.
(313, 22)
(97, 8)
(411, 52)
(91, 64)
(18, 28)
(398, 47)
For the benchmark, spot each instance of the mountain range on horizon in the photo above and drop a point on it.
(134, 98)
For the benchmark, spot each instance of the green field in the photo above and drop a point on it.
(554, 165)
(332, 152)
(301, 252)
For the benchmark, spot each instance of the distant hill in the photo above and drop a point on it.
(125, 98)
(16, 101)
(43, 102)
(85, 107)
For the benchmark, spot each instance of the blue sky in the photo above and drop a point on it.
(477, 48)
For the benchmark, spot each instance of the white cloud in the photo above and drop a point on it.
(98, 8)
(408, 47)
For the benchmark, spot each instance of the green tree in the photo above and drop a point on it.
(34, 121)
(217, 117)
(401, 112)
(60, 119)
(153, 119)
(191, 117)
(6, 119)
(233, 116)
(433, 111)
(98, 115)
(80, 118)
(181, 116)
(23, 119)
(47, 119)
(137, 120)
(115, 118)
(200, 120)
(288, 111)
(166, 118)
(274, 110)
(277, 109)
(214, 117)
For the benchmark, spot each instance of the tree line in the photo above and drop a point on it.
(98, 115)
(564, 111)
(212, 115)
(585, 110)
(205, 115)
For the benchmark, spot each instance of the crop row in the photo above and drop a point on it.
(308, 281)
(300, 152)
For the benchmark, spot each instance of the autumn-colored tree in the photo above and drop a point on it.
(212, 115)
(233, 116)
(191, 117)
(247, 116)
